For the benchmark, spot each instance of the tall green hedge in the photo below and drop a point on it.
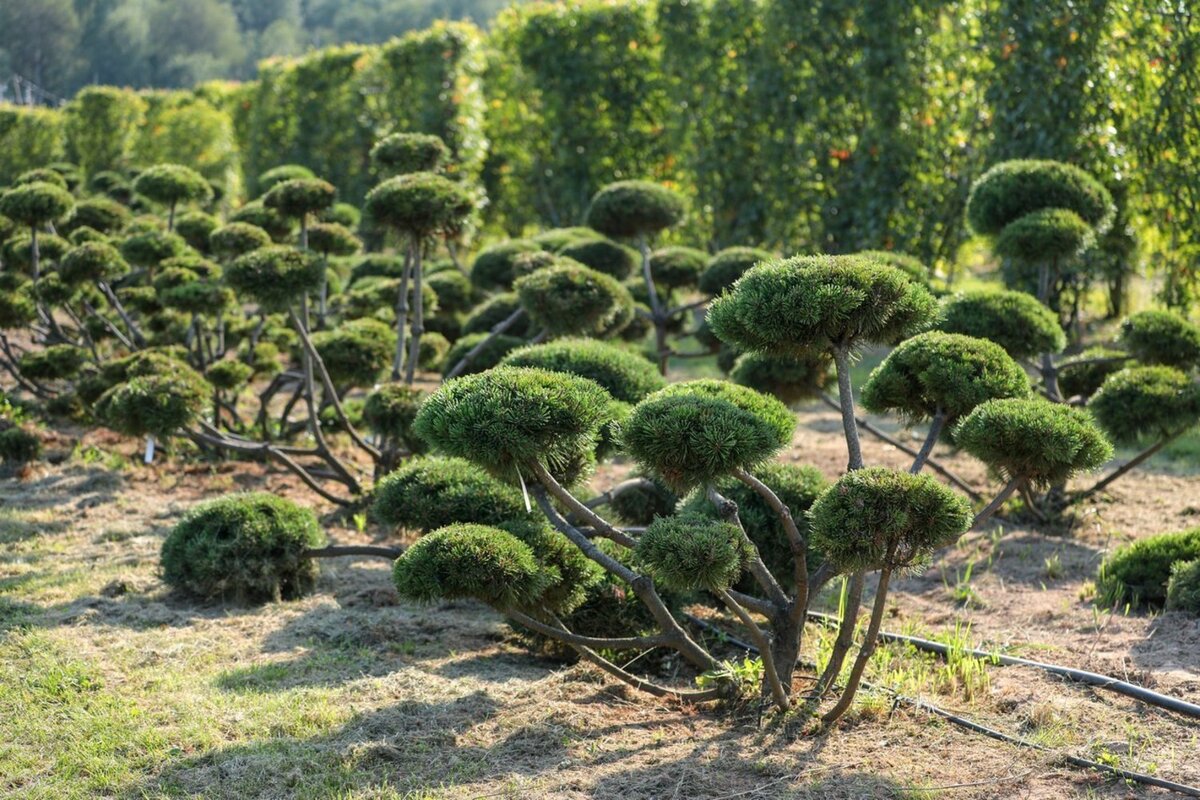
(29, 138)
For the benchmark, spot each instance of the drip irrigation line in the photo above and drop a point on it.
(976, 727)
(1078, 675)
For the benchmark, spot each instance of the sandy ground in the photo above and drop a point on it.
(351, 693)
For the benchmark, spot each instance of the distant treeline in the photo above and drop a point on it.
(823, 125)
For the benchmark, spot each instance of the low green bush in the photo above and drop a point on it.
(1183, 589)
(1138, 404)
(1161, 337)
(432, 492)
(1014, 320)
(1138, 573)
(246, 548)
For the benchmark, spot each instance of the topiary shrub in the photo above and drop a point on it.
(297, 198)
(633, 209)
(228, 375)
(434, 349)
(1161, 337)
(157, 399)
(35, 204)
(245, 548)
(677, 267)
(1138, 404)
(454, 291)
(493, 268)
(1014, 320)
(728, 265)
(19, 446)
(640, 504)
(555, 239)
(41, 176)
(690, 552)
(237, 238)
(797, 486)
(942, 374)
(432, 492)
(570, 575)
(150, 248)
(693, 433)
(401, 153)
(1139, 573)
(376, 265)
(467, 561)
(390, 410)
(1033, 440)
(1183, 589)
(496, 308)
(100, 214)
(819, 302)
(275, 277)
(197, 228)
(571, 299)
(789, 378)
(627, 376)
(1049, 234)
(357, 352)
(879, 518)
(1012, 189)
(170, 185)
(508, 418)
(277, 226)
(603, 255)
(909, 265)
(419, 203)
(54, 362)
(93, 262)
(284, 172)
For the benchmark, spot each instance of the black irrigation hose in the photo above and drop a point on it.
(1078, 675)
(963, 722)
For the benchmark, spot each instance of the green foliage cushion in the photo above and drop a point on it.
(789, 378)
(157, 404)
(299, 197)
(357, 351)
(1012, 189)
(1146, 403)
(728, 265)
(41, 176)
(52, 363)
(495, 309)
(570, 300)
(35, 204)
(909, 265)
(92, 262)
(284, 172)
(1048, 235)
(628, 209)
(1161, 337)
(420, 204)
(277, 226)
(17, 306)
(696, 432)
(149, 248)
(640, 505)
(508, 417)
(797, 486)
(332, 239)
(817, 302)
(677, 267)
(1014, 320)
(101, 214)
(467, 561)
(18, 250)
(945, 372)
(172, 183)
(390, 411)
(493, 269)
(555, 239)
(878, 517)
(1042, 442)
(401, 153)
(1183, 589)
(1138, 573)
(491, 355)
(247, 548)
(196, 228)
(431, 492)
(625, 375)
(275, 277)
(229, 374)
(687, 553)
(603, 255)
(237, 238)
(570, 575)
(453, 289)
(373, 265)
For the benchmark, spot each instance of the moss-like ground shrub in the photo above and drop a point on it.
(1032, 439)
(247, 548)
(877, 518)
(432, 492)
(1183, 589)
(467, 561)
(1138, 573)
(627, 376)
(1161, 337)
(1014, 320)
(692, 433)
(1012, 189)
(942, 372)
(1140, 403)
